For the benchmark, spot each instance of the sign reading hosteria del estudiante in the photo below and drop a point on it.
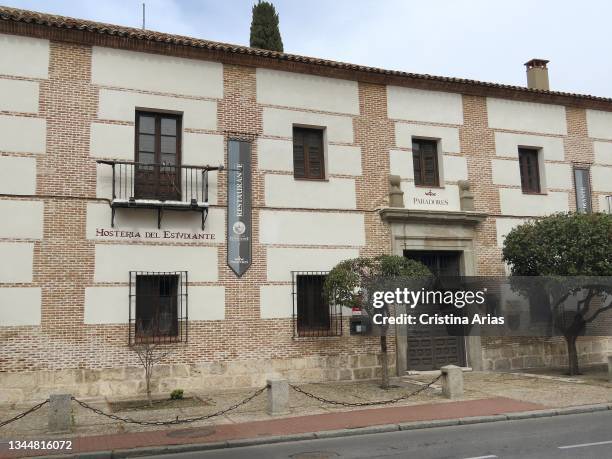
(239, 206)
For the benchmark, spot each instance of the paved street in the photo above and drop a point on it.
(559, 437)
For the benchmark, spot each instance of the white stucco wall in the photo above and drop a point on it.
(12, 138)
(17, 175)
(275, 301)
(289, 89)
(121, 106)
(279, 123)
(21, 219)
(202, 150)
(29, 57)
(515, 202)
(602, 178)
(115, 261)
(19, 96)
(506, 172)
(526, 116)
(311, 228)
(19, 306)
(112, 141)
(286, 191)
(107, 305)
(599, 124)
(422, 105)
(344, 159)
(603, 152)
(16, 260)
(449, 137)
(507, 144)
(156, 72)
(281, 261)
(558, 175)
(206, 302)
(275, 154)
(454, 168)
(400, 163)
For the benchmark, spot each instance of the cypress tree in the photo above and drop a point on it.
(264, 27)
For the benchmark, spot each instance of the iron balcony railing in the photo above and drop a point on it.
(162, 182)
(159, 186)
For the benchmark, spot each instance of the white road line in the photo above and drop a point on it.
(583, 445)
(491, 456)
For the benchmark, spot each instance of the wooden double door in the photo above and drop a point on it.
(432, 347)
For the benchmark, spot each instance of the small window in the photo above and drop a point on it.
(425, 162)
(308, 159)
(158, 306)
(530, 171)
(313, 315)
(583, 189)
(158, 156)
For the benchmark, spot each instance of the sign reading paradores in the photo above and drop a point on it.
(239, 206)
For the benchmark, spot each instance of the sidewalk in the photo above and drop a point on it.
(219, 435)
(497, 396)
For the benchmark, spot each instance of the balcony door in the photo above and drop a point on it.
(157, 173)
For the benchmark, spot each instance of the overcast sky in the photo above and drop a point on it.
(478, 39)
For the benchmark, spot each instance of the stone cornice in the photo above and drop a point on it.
(441, 217)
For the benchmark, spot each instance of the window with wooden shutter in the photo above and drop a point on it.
(425, 162)
(530, 171)
(308, 160)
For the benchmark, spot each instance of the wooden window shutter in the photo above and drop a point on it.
(530, 173)
(308, 158)
(299, 154)
(425, 162)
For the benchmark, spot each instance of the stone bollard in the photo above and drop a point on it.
(610, 368)
(452, 381)
(278, 396)
(60, 413)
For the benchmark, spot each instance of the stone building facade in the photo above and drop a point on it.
(80, 99)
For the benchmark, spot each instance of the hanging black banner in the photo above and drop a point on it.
(239, 206)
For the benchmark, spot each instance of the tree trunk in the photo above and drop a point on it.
(572, 355)
(148, 383)
(384, 362)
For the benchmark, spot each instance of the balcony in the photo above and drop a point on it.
(160, 187)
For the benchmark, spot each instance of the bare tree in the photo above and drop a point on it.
(150, 351)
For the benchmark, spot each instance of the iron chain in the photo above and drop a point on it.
(175, 421)
(353, 404)
(25, 413)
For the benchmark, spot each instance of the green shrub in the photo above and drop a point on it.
(176, 394)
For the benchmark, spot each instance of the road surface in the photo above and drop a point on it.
(558, 437)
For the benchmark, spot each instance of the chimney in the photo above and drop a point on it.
(537, 74)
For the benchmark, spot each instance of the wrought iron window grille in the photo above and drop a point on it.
(313, 315)
(158, 307)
